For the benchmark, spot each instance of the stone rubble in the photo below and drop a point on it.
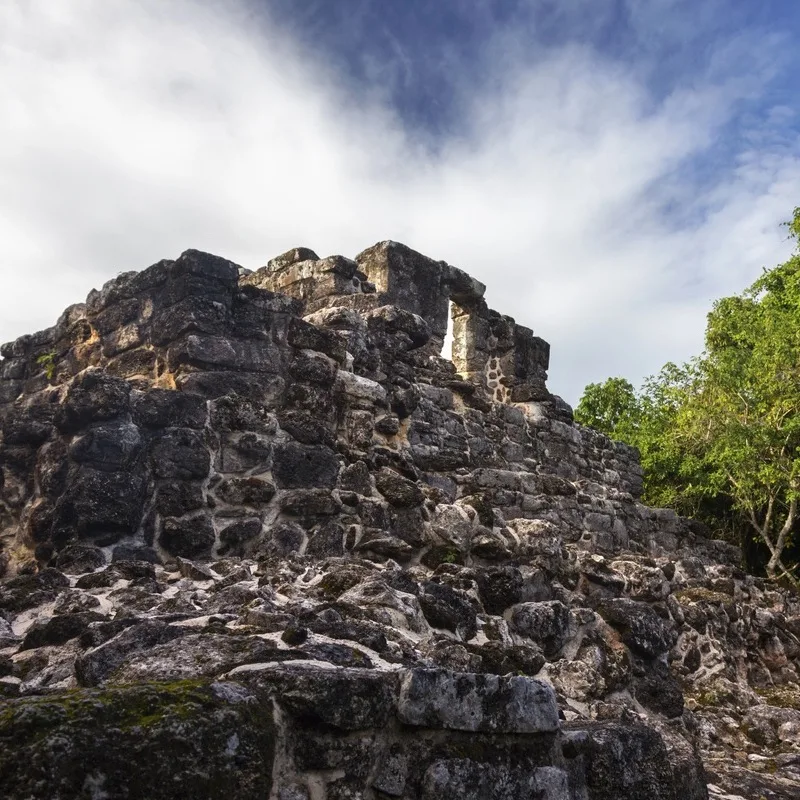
(261, 538)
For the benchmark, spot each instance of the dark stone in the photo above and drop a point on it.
(59, 629)
(190, 537)
(399, 491)
(388, 425)
(102, 506)
(109, 448)
(469, 702)
(290, 257)
(138, 363)
(640, 627)
(659, 691)
(176, 498)
(304, 335)
(233, 536)
(326, 541)
(499, 588)
(245, 491)
(629, 761)
(180, 453)
(28, 425)
(408, 329)
(309, 503)
(546, 623)
(141, 572)
(98, 580)
(134, 553)
(244, 452)
(285, 538)
(444, 607)
(208, 353)
(298, 466)
(163, 408)
(346, 699)
(502, 659)
(312, 367)
(94, 396)
(191, 314)
(210, 384)
(408, 525)
(29, 591)
(355, 478)
(554, 485)
(52, 468)
(84, 744)
(692, 659)
(99, 663)
(404, 401)
(468, 779)
(294, 635)
(79, 558)
(236, 413)
(307, 427)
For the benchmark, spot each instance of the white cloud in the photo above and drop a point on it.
(138, 129)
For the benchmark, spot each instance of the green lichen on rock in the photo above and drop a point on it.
(782, 696)
(155, 741)
(700, 594)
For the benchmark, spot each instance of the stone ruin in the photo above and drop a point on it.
(226, 491)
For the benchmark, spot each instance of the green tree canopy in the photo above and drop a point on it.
(720, 436)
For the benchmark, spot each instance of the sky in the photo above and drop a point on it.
(607, 167)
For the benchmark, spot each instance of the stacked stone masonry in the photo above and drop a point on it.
(210, 474)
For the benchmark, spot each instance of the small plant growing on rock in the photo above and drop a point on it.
(48, 362)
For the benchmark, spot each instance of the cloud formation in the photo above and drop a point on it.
(138, 129)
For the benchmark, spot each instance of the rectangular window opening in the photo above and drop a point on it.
(447, 347)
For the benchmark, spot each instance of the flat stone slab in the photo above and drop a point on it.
(463, 701)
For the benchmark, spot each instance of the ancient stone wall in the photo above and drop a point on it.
(262, 508)
(191, 408)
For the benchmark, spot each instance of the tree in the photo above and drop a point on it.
(648, 420)
(611, 408)
(744, 414)
(719, 436)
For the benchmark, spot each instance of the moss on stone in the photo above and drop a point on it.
(157, 741)
(782, 696)
(699, 594)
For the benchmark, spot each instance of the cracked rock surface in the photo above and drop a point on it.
(259, 535)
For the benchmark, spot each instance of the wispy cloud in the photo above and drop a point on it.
(138, 129)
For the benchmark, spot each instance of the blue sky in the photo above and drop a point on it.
(420, 52)
(607, 167)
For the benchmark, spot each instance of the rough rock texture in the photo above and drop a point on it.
(260, 536)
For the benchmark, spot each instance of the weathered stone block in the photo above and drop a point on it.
(196, 741)
(109, 448)
(399, 491)
(465, 779)
(469, 702)
(298, 466)
(640, 627)
(103, 506)
(245, 491)
(546, 623)
(176, 498)
(190, 537)
(93, 397)
(349, 699)
(180, 453)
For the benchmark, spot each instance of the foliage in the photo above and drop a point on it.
(608, 406)
(48, 362)
(720, 436)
